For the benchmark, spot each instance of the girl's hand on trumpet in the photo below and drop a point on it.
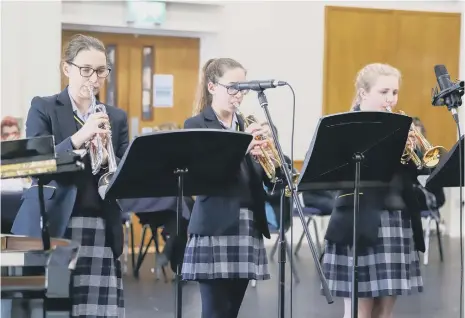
(104, 138)
(92, 126)
(254, 147)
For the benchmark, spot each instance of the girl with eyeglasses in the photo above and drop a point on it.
(225, 248)
(73, 205)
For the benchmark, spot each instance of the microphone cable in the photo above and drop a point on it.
(291, 203)
(456, 119)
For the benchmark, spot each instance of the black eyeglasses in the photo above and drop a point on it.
(87, 71)
(233, 91)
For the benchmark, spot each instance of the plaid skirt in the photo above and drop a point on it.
(227, 257)
(390, 268)
(96, 283)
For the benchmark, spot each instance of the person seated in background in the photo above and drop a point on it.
(322, 200)
(166, 126)
(169, 126)
(11, 189)
(10, 128)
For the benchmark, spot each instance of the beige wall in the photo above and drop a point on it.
(30, 53)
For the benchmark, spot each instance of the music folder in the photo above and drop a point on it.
(212, 158)
(446, 174)
(329, 163)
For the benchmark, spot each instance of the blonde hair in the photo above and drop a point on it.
(211, 72)
(367, 77)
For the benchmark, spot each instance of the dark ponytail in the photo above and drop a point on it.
(203, 96)
(211, 72)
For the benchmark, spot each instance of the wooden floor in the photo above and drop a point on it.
(148, 297)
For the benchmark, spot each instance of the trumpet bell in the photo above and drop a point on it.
(103, 183)
(433, 155)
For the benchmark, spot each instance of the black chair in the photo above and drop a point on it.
(316, 204)
(430, 216)
(430, 202)
(153, 222)
(154, 214)
(312, 215)
(273, 226)
(126, 219)
(275, 230)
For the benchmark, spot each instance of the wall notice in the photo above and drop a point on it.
(162, 90)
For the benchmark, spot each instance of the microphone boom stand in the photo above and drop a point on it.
(282, 254)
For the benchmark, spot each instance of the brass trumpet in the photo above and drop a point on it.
(270, 160)
(431, 154)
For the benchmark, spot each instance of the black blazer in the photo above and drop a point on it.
(213, 216)
(53, 115)
(400, 195)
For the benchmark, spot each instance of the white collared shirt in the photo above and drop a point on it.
(76, 111)
(234, 123)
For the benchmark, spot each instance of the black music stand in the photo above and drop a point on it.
(178, 163)
(343, 146)
(446, 174)
(36, 157)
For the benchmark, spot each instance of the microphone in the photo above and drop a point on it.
(449, 94)
(257, 85)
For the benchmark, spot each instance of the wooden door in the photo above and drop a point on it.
(353, 38)
(135, 59)
(174, 56)
(411, 41)
(416, 57)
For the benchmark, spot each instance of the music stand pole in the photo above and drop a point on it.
(288, 180)
(281, 256)
(43, 216)
(358, 158)
(178, 290)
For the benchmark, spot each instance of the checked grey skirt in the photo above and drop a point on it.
(390, 268)
(96, 283)
(227, 257)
